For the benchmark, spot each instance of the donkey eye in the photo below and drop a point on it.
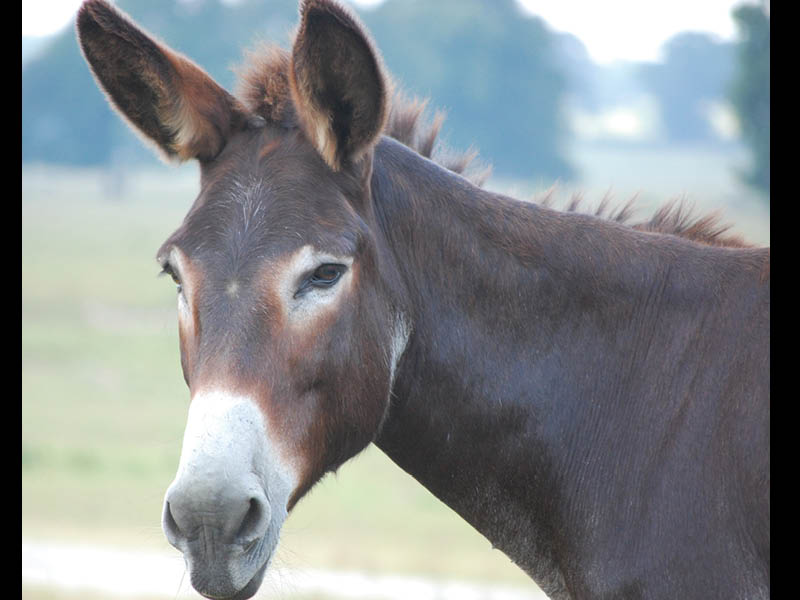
(326, 275)
(167, 270)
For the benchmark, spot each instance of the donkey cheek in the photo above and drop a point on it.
(185, 365)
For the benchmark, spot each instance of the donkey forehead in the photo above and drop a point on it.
(246, 215)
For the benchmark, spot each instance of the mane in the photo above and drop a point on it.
(263, 86)
(675, 217)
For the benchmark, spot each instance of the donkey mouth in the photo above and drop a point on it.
(252, 587)
(222, 570)
(222, 588)
(248, 591)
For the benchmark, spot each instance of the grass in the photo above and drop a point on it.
(49, 593)
(102, 399)
(104, 402)
(30, 592)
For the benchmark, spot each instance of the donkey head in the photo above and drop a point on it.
(290, 318)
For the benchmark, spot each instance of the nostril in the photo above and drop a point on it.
(253, 523)
(237, 514)
(171, 528)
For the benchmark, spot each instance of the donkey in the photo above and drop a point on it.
(591, 396)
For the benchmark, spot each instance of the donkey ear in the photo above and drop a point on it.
(162, 94)
(337, 82)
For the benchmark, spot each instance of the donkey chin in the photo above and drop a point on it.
(227, 504)
(227, 578)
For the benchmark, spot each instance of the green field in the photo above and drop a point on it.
(104, 402)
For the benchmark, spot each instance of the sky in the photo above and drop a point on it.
(611, 30)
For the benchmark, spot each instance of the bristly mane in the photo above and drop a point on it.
(675, 217)
(264, 88)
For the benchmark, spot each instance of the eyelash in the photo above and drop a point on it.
(167, 270)
(324, 276)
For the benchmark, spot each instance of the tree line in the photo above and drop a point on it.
(500, 76)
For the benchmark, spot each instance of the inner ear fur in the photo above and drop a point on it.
(337, 82)
(161, 93)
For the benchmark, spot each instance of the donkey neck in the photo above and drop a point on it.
(486, 303)
(521, 318)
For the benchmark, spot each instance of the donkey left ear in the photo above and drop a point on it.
(337, 82)
(163, 95)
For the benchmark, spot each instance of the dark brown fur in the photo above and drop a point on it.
(591, 395)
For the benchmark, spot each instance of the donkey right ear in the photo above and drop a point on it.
(337, 82)
(162, 94)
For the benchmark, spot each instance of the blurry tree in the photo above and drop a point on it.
(572, 59)
(60, 121)
(696, 70)
(492, 69)
(750, 89)
(596, 87)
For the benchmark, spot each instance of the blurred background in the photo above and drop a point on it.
(655, 99)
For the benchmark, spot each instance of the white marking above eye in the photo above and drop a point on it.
(180, 264)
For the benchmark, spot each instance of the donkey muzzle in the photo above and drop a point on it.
(226, 506)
